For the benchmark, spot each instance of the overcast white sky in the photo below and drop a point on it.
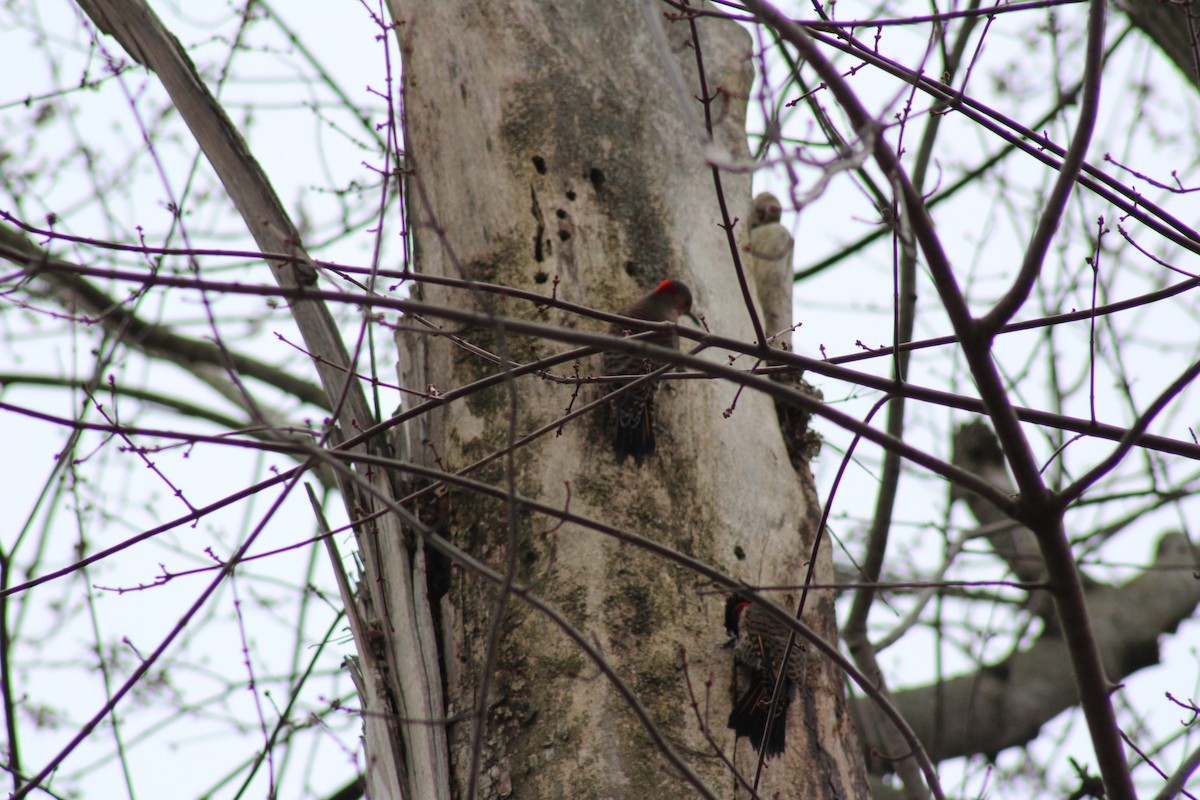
(316, 163)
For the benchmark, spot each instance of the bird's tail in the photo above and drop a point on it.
(751, 713)
(634, 434)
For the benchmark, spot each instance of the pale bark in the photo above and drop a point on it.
(546, 141)
(771, 249)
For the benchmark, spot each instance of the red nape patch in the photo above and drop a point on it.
(667, 286)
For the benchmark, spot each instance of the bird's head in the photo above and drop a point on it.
(679, 296)
(735, 605)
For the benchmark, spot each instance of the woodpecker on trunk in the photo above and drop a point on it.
(759, 641)
(633, 411)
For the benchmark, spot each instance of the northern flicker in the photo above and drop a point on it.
(633, 411)
(771, 248)
(759, 641)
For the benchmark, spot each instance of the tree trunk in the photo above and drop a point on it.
(1172, 27)
(545, 143)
